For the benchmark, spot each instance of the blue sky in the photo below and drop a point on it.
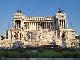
(39, 8)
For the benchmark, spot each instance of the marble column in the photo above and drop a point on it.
(46, 25)
(61, 23)
(64, 23)
(32, 25)
(28, 25)
(36, 25)
(17, 24)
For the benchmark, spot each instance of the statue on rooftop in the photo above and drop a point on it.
(19, 11)
(60, 10)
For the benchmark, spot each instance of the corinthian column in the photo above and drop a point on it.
(36, 25)
(63, 23)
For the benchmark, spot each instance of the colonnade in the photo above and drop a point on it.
(37, 25)
(62, 23)
(17, 24)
